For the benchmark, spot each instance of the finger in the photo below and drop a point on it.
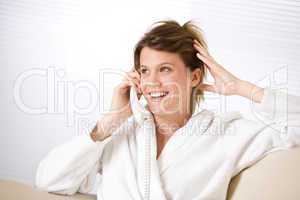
(134, 74)
(209, 63)
(214, 68)
(134, 78)
(201, 49)
(135, 85)
(197, 42)
(123, 86)
(136, 81)
(207, 87)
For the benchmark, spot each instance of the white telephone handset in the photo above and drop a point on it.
(138, 110)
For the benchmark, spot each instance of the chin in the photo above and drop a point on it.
(159, 110)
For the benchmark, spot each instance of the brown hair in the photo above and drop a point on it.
(171, 37)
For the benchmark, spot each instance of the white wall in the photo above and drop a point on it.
(68, 43)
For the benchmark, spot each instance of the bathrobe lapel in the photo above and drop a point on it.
(182, 139)
(150, 169)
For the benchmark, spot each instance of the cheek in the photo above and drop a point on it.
(177, 84)
(142, 85)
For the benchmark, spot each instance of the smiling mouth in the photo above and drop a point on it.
(157, 96)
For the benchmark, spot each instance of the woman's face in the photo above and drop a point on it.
(165, 82)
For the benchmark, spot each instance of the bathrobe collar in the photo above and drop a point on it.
(150, 169)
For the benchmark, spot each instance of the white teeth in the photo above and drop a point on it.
(157, 94)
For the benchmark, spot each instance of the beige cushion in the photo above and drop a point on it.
(10, 190)
(275, 177)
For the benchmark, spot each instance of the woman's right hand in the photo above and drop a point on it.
(120, 101)
(120, 108)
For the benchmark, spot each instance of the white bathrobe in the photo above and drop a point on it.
(196, 163)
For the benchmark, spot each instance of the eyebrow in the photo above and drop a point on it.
(163, 63)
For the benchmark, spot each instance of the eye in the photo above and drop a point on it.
(165, 69)
(143, 70)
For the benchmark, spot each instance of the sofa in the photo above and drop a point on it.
(275, 177)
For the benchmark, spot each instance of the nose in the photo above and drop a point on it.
(152, 80)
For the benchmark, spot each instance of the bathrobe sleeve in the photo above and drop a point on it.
(71, 167)
(281, 112)
(277, 128)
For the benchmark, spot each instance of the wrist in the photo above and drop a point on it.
(110, 122)
(119, 111)
(250, 91)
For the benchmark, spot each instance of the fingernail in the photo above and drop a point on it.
(199, 55)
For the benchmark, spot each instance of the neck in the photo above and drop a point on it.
(168, 124)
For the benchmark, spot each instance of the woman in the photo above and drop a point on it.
(188, 155)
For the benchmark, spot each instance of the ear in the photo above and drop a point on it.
(196, 77)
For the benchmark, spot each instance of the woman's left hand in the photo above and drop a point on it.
(225, 82)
